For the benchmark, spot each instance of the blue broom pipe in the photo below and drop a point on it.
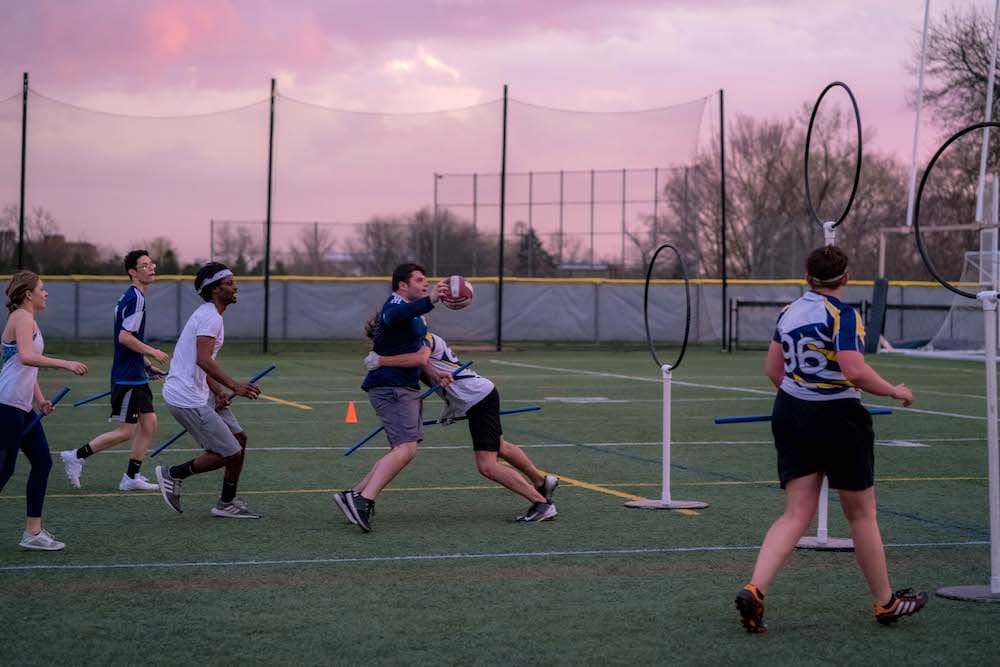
(38, 417)
(231, 396)
(767, 418)
(422, 397)
(514, 411)
(91, 399)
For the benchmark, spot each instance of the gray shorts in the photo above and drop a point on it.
(212, 429)
(401, 412)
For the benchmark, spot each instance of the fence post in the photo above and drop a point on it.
(267, 239)
(503, 206)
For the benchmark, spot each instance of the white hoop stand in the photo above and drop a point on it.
(822, 541)
(990, 593)
(666, 502)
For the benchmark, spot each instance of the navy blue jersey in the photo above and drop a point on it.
(399, 329)
(129, 367)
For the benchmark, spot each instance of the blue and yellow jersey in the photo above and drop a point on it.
(811, 331)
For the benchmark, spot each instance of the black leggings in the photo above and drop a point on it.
(35, 447)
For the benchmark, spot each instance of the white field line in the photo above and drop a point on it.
(575, 371)
(430, 557)
(918, 441)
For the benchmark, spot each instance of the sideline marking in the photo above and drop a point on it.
(570, 483)
(554, 445)
(743, 390)
(437, 557)
(284, 402)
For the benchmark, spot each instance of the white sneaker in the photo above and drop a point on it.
(139, 483)
(74, 467)
(43, 541)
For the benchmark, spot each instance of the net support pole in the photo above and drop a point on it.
(722, 209)
(666, 502)
(990, 593)
(24, 156)
(434, 228)
(267, 233)
(503, 210)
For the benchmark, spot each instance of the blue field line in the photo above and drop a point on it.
(912, 516)
(441, 557)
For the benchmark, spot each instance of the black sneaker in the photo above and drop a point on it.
(538, 512)
(750, 604)
(340, 500)
(362, 510)
(548, 487)
(170, 488)
(903, 603)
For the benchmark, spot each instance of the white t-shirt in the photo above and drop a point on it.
(468, 389)
(186, 385)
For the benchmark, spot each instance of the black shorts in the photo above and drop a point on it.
(833, 437)
(484, 423)
(128, 401)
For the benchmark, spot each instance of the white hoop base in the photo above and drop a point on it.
(666, 504)
(969, 593)
(829, 544)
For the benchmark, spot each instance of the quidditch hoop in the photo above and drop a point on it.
(916, 208)
(857, 168)
(687, 313)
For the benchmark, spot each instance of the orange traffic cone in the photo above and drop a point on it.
(352, 415)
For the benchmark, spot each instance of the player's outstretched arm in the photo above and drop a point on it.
(861, 375)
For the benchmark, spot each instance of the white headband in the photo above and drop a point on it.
(217, 277)
(826, 281)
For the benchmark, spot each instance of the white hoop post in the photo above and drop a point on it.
(829, 233)
(916, 121)
(987, 116)
(822, 541)
(990, 593)
(666, 502)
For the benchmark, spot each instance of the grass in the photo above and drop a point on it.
(447, 577)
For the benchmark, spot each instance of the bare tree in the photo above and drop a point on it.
(310, 253)
(237, 246)
(957, 67)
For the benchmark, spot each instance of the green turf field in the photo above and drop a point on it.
(448, 578)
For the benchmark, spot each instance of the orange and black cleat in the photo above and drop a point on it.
(750, 604)
(903, 603)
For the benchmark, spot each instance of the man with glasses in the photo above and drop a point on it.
(131, 398)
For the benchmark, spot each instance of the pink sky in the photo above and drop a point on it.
(178, 57)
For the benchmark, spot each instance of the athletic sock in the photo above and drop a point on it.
(133, 468)
(182, 471)
(228, 491)
(84, 452)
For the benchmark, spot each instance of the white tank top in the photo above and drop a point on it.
(17, 381)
